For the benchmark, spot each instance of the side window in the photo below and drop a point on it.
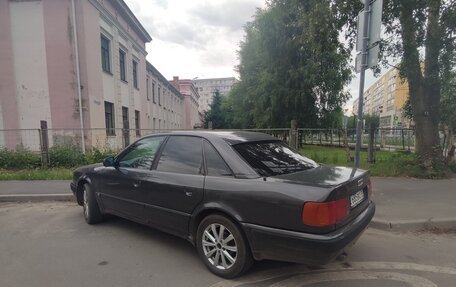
(215, 164)
(142, 154)
(182, 154)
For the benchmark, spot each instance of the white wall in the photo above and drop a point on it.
(30, 69)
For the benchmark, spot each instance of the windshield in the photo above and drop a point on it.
(273, 158)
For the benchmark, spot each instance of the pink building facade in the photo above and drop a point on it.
(38, 67)
(191, 97)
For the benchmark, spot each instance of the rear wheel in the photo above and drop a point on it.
(222, 247)
(92, 212)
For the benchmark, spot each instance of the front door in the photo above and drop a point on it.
(120, 187)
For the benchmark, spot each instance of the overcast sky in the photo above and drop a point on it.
(199, 38)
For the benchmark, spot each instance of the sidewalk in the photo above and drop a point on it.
(403, 204)
(35, 190)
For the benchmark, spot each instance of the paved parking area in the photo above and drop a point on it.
(49, 244)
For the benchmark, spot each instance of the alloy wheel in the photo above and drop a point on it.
(219, 246)
(86, 202)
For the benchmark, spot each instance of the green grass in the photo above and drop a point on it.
(388, 163)
(37, 174)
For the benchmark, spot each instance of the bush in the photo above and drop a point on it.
(452, 166)
(98, 155)
(66, 156)
(19, 159)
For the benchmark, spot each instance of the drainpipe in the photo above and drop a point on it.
(76, 52)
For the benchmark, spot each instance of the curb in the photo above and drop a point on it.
(414, 225)
(36, 197)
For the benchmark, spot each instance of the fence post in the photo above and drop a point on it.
(293, 134)
(44, 141)
(371, 144)
(403, 139)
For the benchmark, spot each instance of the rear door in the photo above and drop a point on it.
(175, 186)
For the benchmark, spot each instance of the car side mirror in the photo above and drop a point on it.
(109, 161)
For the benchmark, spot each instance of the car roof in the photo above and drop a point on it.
(231, 137)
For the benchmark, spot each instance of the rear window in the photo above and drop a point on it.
(273, 158)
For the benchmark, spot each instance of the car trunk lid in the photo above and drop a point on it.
(345, 183)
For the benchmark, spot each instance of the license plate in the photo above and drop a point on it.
(356, 198)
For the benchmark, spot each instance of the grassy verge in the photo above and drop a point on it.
(387, 163)
(37, 174)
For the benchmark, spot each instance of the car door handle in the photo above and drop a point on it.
(188, 193)
(136, 184)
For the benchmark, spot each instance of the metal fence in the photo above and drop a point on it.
(387, 139)
(115, 139)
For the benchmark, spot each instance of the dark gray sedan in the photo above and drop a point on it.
(236, 196)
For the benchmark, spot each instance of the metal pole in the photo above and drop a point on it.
(359, 126)
(76, 52)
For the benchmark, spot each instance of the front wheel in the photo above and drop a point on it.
(222, 247)
(92, 212)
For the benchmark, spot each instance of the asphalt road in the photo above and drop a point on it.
(49, 244)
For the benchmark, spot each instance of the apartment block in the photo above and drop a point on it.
(386, 98)
(207, 87)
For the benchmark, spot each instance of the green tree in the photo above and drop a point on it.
(292, 66)
(421, 33)
(371, 120)
(214, 114)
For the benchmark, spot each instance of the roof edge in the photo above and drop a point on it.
(125, 10)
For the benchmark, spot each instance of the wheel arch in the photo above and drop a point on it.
(82, 180)
(209, 209)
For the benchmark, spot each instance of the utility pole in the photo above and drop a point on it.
(369, 23)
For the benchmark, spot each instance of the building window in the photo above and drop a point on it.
(147, 89)
(153, 93)
(125, 120)
(122, 65)
(135, 74)
(105, 54)
(159, 96)
(109, 119)
(154, 124)
(137, 124)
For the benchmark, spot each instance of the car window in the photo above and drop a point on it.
(215, 164)
(141, 155)
(182, 154)
(273, 158)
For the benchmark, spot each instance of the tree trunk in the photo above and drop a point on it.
(424, 89)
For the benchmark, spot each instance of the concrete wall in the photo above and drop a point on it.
(30, 66)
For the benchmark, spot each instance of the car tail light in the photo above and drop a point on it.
(324, 213)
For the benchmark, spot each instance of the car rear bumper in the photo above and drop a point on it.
(317, 249)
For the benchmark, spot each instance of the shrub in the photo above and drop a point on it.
(19, 159)
(66, 156)
(97, 155)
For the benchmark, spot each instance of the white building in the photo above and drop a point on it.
(207, 87)
(165, 104)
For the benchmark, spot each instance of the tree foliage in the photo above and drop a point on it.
(215, 114)
(292, 66)
(421, 33)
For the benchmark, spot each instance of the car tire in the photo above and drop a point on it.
(223, 247)
(92, 213)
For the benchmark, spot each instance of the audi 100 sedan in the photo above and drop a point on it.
(236, 196)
